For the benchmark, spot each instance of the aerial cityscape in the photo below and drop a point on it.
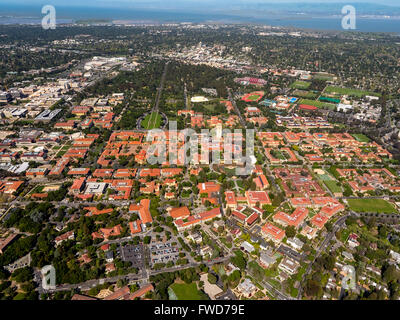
(199, 160)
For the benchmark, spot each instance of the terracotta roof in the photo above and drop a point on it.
(81, 297)
(119, 294)
(181, 212)
(135, 226)
(143, 209)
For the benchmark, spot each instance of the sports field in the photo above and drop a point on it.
(371, 205)
(254, 96)
(305, 94)
(350, 92)
(330, 182)
(318, 104)
(184, 291)
(329, 100)
(300, 85)
(152, 121)
(323, 76)
(361, 138)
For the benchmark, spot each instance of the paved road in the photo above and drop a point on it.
(242, 122)
(160, 89)
(87, 285)
(278, 294)
(323, 246)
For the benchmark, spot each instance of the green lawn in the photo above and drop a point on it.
(278, 154)
(209, 107)
(344, 235)
(361, 138)
(324, 177)
(350, 92)
(61, 153)
(371, 205)
(305, 94)
(240, 183)
(152, 121)
(230, 172)
(323, 76)
(318, 104)
(186, 291)
(254, 97)
(300, 85)
(333, 186)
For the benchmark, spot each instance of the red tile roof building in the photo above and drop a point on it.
(193, 220)
(295, 219)
(7, 241)
(257, 198)
(273, 233)
(208, 188)
(261, 182)
(179, 213)
(143, 210)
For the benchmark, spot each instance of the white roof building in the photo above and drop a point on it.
(247, 247)
(247, 288)
(199, 99)
(395, 256)
(344, 107)
(295, 243)
(95, 187)
(289, 265)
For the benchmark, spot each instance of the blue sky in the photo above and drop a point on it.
(172, 3)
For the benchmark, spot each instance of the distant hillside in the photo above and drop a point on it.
(316, 8)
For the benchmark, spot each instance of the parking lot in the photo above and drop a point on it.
(163, 253)
(133, 254)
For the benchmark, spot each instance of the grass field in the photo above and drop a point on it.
(361, 138)
(333, 186)
(371, 205)
(152, 121)
(323, 76)
(209, 107)
(185, 291)
(254, 96)
(230, 172)
(350, 92)
(344, 235)
(330, 182)
(300, 85)
(305, 94)
(278, 154)
(318, 104)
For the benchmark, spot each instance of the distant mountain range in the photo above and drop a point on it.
(322, 8)
(259, 8)
(228, 6)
